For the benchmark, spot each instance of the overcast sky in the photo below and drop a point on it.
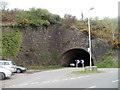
(102, 8)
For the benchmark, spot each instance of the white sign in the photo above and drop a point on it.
(77, 61)
(88, 49)
(82, 61)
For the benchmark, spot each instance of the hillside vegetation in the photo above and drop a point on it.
(17, 20)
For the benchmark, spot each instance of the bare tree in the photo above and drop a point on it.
(3, 5)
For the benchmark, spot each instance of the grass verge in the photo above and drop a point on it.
(86, 72)
(38, 68)
(107, 63)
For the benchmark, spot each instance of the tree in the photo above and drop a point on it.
(3, 5)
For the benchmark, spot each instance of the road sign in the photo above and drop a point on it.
(82, 61)
(77, 61)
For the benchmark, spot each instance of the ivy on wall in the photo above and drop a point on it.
(11, 43)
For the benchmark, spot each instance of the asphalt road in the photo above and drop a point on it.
(62, 78)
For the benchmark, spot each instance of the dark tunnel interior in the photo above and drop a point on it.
(71, 55)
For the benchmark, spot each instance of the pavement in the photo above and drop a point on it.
(62, 78)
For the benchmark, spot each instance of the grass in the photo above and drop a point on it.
(46, 68)
(86, 72)
(107, 63)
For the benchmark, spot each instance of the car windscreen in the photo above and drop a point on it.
(13, 63)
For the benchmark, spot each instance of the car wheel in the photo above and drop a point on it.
(2, 76)
(19, 71)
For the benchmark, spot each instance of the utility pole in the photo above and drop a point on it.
(89, 38)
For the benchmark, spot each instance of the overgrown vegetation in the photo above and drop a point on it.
(109, 61)
(105, 29)
(11, 43)
(39, 17)
(47, 59)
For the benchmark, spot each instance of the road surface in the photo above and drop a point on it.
(62, 78)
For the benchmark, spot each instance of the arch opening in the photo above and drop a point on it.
(69, 57)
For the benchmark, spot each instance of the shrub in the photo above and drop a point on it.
(116, 45)
(107, 63)
(85, 31)
(39, 17)
(11, 44)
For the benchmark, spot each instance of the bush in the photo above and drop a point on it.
(39, 17)
(85, 31)
(116, 45)
(11, 44)
(108, 61)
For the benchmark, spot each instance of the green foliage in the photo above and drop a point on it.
(44, 56)
(39, 17)
(54, 58)
(47, 59)
(110, 53)
(11, 44)
(108, 61)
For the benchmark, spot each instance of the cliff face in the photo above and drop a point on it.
(43, 46)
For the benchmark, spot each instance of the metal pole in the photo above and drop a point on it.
(89, 40)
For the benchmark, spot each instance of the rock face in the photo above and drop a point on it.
(52, 45)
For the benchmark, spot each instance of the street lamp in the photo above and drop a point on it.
(89, 38)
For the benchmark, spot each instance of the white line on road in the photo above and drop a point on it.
(12, 86)
(35, 83)
(115, 81)
(24, 84)
(72, 78)
(92, 87)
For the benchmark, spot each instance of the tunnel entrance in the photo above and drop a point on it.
(71, 55)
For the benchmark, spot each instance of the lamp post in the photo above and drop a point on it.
(89, 38)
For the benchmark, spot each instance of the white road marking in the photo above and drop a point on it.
(24, 84)
(92, 87)
(115, 81)
(72, 78)
(35, 83)
(12, 86)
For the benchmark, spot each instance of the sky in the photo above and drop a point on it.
(102, 8)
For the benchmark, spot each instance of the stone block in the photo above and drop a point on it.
(93, 68)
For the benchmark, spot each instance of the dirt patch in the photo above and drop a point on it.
(33, 71)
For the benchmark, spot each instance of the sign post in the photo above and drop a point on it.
(82, 61)
(77, 62)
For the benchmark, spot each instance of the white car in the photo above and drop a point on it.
(4, 73)
(9, 65)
